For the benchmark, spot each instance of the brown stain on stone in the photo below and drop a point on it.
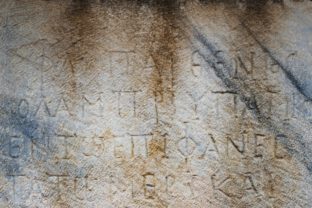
(78, 30)
(76, 43)
(78, 16)
(161, 46)
(157, 146)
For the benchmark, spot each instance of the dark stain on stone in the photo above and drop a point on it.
(260, 16)
(250, 4)
(19, 131)
(259, 13)
(80, 29)
(79, 44)
(78, 17)
(293, 141)
(163, 4)
(294, 80)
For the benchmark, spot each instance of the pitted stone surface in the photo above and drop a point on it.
(178, 103)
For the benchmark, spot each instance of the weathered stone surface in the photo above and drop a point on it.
(154, 103)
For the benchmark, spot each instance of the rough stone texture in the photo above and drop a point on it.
(154, 103)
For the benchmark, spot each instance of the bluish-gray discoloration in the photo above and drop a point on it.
(24, 130)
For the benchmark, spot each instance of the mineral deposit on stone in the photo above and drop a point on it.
(156, 103)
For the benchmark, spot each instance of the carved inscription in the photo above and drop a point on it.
(181, 103)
